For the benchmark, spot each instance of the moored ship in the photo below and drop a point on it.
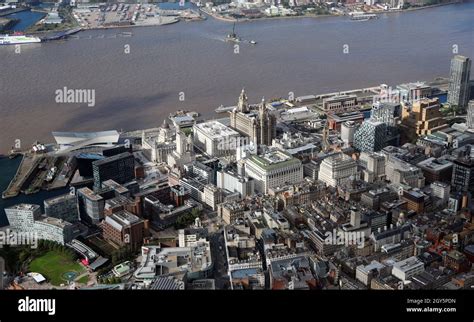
(16, 39)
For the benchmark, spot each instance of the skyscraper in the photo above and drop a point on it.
(458, 92)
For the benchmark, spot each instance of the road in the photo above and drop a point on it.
(219, 259)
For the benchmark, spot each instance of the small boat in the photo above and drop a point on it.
(233, 36)
(253, 42)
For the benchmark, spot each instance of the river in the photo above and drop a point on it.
(138, 89)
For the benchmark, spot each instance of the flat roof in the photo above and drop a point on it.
(273, 160)
(215, 129)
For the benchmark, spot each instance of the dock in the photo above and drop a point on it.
(12, 11)
(61, 35)
(31, 176)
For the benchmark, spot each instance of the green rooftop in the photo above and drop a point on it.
(267, 165)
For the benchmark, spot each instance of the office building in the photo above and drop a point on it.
(275, 168)
(423, 117)
(23, 216)
(365, 273)
(405, 269)
(340, 103)
(458, 91)
(374, 166)
(376, 220)
(347, 132)
(120, 168)
(370, 136)
(463, 171)
(400, 172)
(410, 92)
(385, 112)
(62, 207)
(54, 229)
(470, 115)
(90, 206)
(415, 200)
(212, 196)
(84, 163)
(336, 120)
(441, 190)
(375, 198)
(291, 274)
(436, 170)
(194, 261)
(380, 130)
(27, 218)
(124, 229)
(337, 169)
(233, 182)
(456, 261)
(259, 126)
(216, 139)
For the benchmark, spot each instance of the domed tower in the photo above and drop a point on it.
(242, 105)
(262, 109)
(164, 132)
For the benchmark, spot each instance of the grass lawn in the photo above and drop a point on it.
(83, 279)
(53, 265)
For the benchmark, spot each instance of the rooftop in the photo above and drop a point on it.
(215, 129)
(274, 159)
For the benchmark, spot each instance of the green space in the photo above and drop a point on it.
(187, 219)
(54, 265)
(84, 279)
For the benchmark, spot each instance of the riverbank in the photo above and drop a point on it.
(230, 19)
(301, 56)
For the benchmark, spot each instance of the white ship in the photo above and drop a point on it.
(18, 39)
(363, 17)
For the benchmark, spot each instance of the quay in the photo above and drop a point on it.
(12, 11)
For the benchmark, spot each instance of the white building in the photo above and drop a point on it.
(374, 164)
(158, 143)
(212, 196)
(215, 138)
(401, 172)
(53, 229)
(234, 182)
(407, 268)
(365, 273)
(441, 190)
(337, 169)
(22, 217)
(274, 169)
(194, 261)
(27, 218)
(71, 141)
(184, 152)
(347, 132)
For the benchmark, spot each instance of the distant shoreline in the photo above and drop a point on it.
(228, 19)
